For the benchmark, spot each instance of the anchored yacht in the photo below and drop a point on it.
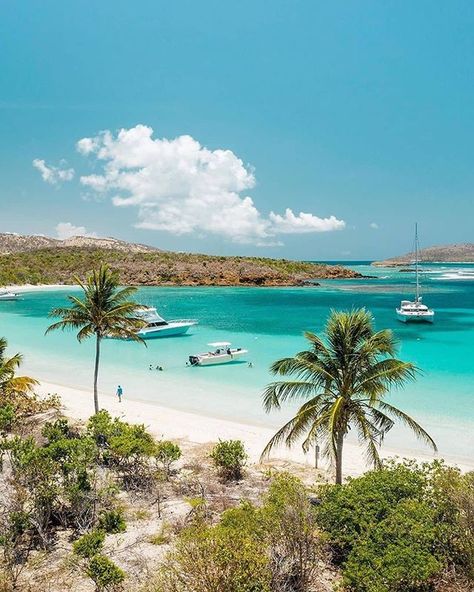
(415, 310)
(222, 353)
(157, 326)
(7, 295)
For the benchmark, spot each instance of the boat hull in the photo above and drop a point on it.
(415, 317)
(9, 297)
(158, 332)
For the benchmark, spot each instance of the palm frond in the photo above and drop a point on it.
(278, 392)
(415, 427)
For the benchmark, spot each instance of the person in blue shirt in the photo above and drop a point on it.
(119, 393)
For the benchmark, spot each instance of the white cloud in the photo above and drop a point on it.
(66, 230)
(52, 174)
(182, 187)
(291, 224)
(374, 225)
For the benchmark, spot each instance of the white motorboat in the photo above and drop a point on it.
(7, 295)
(156, 326)
(414, 311)
(222, 353)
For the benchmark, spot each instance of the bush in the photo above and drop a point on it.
(399, 529)
(8, 419)
(166, 454)
(89, 544)
(291, 530)
(397, 553)
(210, 558)
(104, 573)
(229, 457)
(112, 521)
(274, 547)
(57, 430)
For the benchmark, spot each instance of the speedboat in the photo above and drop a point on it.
(157, 326)
(7, 295)
(222, 353)
(414, 310)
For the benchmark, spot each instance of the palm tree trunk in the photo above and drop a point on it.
(96, 373)
(339, 446)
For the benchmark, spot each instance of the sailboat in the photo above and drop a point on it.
(414, 311)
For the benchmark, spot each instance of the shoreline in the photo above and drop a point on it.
(167, 423)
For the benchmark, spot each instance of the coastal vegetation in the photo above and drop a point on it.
(79, 501)
(344, 378)
(105, 310)
(152, 268)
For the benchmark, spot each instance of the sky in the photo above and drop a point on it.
(298, 128)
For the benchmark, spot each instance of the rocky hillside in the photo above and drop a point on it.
(59, 265)
(462, 253)
(17, 243)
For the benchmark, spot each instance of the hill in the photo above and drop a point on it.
(462, 253)
(58, 265)
(17, 243)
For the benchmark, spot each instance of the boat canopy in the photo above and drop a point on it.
(219, 344)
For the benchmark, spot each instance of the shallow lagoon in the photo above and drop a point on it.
(270, 323)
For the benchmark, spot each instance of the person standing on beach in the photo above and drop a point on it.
(119, 393)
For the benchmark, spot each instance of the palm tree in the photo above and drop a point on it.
(10, 383)
(104, 311)
(343, 379)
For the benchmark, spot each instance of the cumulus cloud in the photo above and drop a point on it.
(292, 224)
(182, 187)
(66, 230)
(52, 174)
(374, 225)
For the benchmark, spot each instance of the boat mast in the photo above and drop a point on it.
(416, 262)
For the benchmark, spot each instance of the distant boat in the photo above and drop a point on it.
(157, 326)
(222, 354)
(7, 295)
(414, 311)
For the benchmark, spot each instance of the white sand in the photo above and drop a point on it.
(21, 289)
(164, 422)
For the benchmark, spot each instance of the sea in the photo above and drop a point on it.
(270, 323)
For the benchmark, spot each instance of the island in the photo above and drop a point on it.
(458, 253)
(43, 260)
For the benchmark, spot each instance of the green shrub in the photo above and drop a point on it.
(112, 521)
(399, 529)
(396, 555)
(89, 544)
(229, 457)
(57, 430)
(210, 558)
(104, 573)
(8, 418)
(252, 549)
(166, 454)
(348, 510)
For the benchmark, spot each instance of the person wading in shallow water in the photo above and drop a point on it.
(119, 393)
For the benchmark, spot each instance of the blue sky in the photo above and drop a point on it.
(356, 113)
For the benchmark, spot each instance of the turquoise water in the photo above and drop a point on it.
(270, 322)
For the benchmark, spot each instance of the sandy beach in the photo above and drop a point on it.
(167, 423)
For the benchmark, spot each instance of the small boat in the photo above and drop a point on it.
(221, 354)
(7, 295)
(414, 311)
(157, 326)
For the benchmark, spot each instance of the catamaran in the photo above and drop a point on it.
(157, 326)
(7, 295)
(414, 310)
(222, 353)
